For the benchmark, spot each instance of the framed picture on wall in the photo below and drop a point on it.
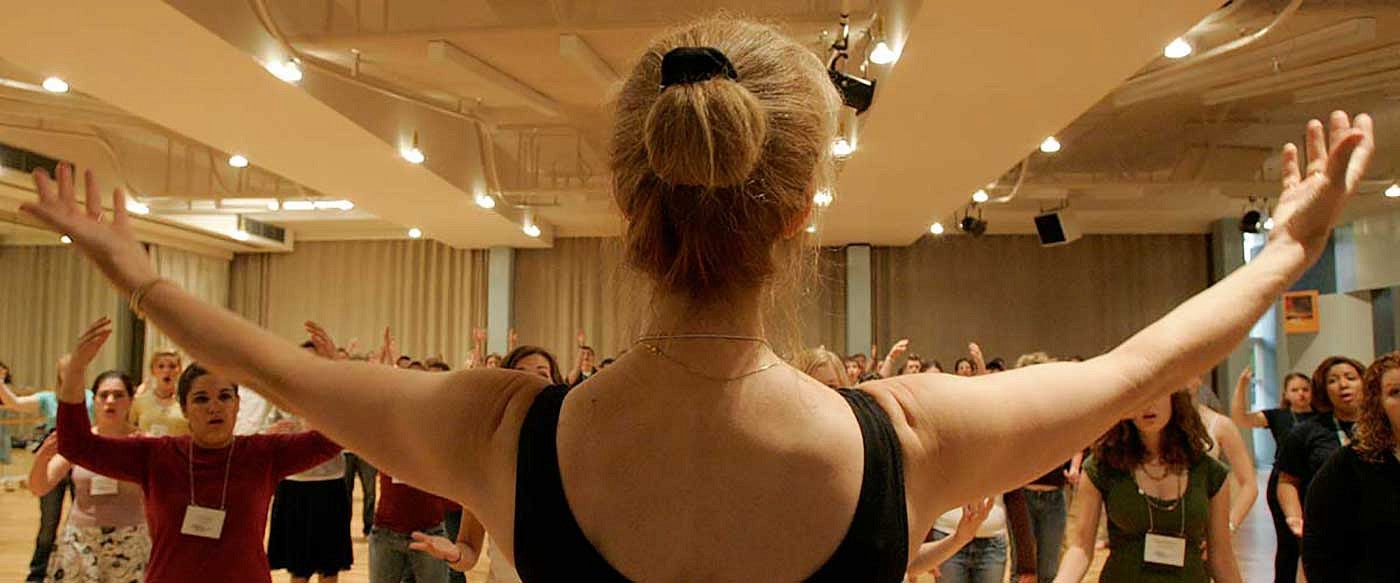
(1300, 314)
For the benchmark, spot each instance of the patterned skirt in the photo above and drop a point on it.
(101, 555)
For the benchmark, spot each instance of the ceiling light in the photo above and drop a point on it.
(55, 85)
(980, 196)
(298, 205)
(936, 229)
(1178, 49)
(531, 230)
(274, 205)
(1393, 191)
(811, 228)
(65, 239)
(241, 235)
(1050, 145)
(883, 54)
(415, 233)
(412, 153)
(823, 198)
(973, 226)
(842, 148)
(485, 201)
(343, 205)
(132, 206)
(287, 71)
(237, 161)
(1252, 221)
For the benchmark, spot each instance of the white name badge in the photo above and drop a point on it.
(205, 522)
(158, 430)
(102, 486)
(394, 480)
(1165, 550)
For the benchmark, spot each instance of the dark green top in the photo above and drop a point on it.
(1128, 522)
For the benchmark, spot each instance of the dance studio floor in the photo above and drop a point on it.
(20, 512)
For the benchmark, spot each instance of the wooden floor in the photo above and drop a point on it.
(1254, 544)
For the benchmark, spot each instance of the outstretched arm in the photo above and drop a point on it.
(1023, 422)
(423, 418)
(1239, 408)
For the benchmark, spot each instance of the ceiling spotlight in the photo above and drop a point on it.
(274, 205)
(412, 153)
(531, 230)
(823, 198)
(1393, 191)
(1178, 49)
(134, 207)
(241, 235)
(980, 196)
(1252, 221)
(485, 201)
(238, 161)
(415, 233)
(883, 54)
(974, 226)
(1050, 145)
(287, 71)
(55, 85)
(842, 148)
(65, 239)
(936, 229)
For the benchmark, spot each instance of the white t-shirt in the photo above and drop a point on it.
(995, 525)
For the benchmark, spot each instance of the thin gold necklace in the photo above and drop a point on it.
(646, 342)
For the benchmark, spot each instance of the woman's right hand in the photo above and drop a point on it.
(899, 348)
(75, 373)
(110, 244)
(1312, 201)
(1246, 377)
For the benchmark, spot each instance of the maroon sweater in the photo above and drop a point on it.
(405, 509)
(161, 466)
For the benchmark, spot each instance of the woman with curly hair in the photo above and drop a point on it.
(1168, 501)
(1353, 505)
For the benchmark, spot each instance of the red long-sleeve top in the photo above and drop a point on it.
(405, 509)
(161, 466)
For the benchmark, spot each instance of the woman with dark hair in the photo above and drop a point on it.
(701, 455)
(206, 494)
(105, 538)
(1336, 395)
(963, 367)
(1296, 407)
(1353, 506)
(1168, 503)
(534, 360)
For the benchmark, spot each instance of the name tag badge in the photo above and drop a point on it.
(159, 430)
(1165, 550)
(205, 522)
(394, 480)
(102, 486)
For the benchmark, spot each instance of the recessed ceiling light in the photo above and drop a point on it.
(823, 198)
(883, 54)
(287, 71)
(485, 201)
(936, 229)
(842, 148)
(415, 233)
(1178, 49)
(980, 196)
(531, 229)
(1393, 191)
(812, 228)
(413, 155)
(237, 161)
(65, 239)
(55, 85)
(1050, 145)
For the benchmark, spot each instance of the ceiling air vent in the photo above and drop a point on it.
(261, 229)
(25, 160)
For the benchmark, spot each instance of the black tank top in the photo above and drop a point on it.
(550, 546)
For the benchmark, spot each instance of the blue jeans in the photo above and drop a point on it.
(50, 514)
(981, 561)
(1048, 512)
(390, 559)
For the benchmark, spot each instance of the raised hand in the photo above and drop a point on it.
(899, 348)
(324, 344)
(108, 243)
(388, 353)
(582, 338)
(979, 364)
(973, 516)
(75, 369)
(1337, 158)
(1245, 380)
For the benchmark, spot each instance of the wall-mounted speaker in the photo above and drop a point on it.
(1057, 228)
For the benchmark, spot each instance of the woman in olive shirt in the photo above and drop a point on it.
(1168, 502)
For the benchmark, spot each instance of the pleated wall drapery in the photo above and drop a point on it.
(579, 284)
(429, 294)
(50, 295)
(207, 278)
(1013, 296)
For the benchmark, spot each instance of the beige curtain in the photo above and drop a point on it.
(579, 284)
(1013, 296)
(822, 303)
(50, 296)
(207, 278)
(431, 295)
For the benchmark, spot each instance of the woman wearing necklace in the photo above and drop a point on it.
(703, 456)
(1168, 502)
(206, 494)
(1336, 396)
(1353, 505)
(1295, 408)
(105, 538)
